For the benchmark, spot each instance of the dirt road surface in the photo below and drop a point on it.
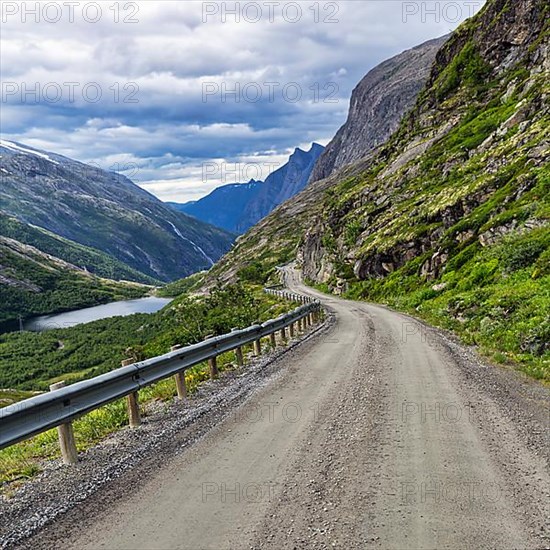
(383, 433)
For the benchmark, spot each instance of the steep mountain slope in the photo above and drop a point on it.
(280, 186)
(450, 218)
(377, 106)
(224, 206)
(32, 282)
(92, 260)
(105, 210)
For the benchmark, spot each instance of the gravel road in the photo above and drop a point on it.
(378, 433)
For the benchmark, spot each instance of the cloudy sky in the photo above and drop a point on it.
(183, 96)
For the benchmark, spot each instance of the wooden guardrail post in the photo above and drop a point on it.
(132, 402)
(273, 340)
(238, 352)
(212, 363)
(179, 378)
(258, 347)
(66, 435)
(283, 336)
(291, 330)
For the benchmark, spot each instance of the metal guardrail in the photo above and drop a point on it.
(59, 407)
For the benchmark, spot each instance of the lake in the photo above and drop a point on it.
(86, 315)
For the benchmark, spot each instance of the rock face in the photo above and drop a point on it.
(378, 104)
(280, 186)
(105, 211)
(425, 195)
(237, 207)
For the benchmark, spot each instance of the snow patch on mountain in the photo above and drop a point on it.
(20, 149)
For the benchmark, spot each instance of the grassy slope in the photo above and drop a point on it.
(32, 361)
(93, 260)
(35, 283)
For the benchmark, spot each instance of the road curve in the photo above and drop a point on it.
(382, 433)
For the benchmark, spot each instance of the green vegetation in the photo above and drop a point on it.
(497, 298)
(34, 284)
(33, 361)
(96, 262)
(467, 68)
(182, 286)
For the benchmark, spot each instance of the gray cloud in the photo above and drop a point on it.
(152, 115)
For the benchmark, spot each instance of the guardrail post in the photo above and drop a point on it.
(291, 330)
(66, 435)
(179, 378)
(132, 402)
(212, 362)
(213, 365)
(238, 352)
(273, 340)
(258, 347)
(283, 336)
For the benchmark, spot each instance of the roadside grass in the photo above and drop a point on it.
(32, 361)
(24, 460)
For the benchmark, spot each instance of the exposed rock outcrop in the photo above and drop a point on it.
(378, 105)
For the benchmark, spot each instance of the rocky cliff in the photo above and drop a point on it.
(377, 106)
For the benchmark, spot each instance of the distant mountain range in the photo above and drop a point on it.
(224, 206)
(105, 211)
(237, 207)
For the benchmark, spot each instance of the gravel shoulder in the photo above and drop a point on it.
(376, 432)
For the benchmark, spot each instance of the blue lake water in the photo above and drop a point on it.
(86, 315)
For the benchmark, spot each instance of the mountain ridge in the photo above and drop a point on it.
(236, 207)
(106, 211)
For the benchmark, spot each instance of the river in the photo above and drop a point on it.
(86, 315)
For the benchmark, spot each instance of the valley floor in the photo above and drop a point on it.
(379, 432)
